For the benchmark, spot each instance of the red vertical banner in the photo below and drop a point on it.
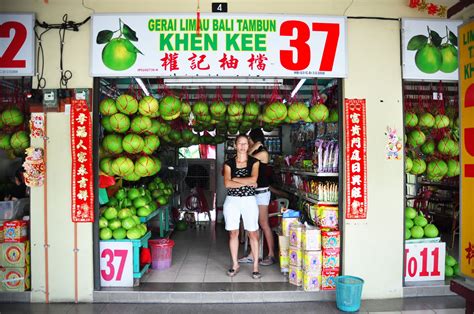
(356, 158)
(81, 151)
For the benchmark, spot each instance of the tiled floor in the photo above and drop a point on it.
(202, 256)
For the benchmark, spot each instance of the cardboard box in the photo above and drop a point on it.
(331, 258)
(284, 263)
(312, 281)
(312, 261)
(295, 276)
(311, 239)
(296, 256)
(328, 217)
(15, 254)
(328, 279)
(286, 224)
(296, 235)
(15, 279)
(331, 239)
(15, 231)
(283, 243)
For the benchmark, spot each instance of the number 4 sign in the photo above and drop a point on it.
(116, 264)
(17, 45)
(424, 261)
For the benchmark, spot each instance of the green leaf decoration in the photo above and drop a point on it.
(129, 33)
(417, 42)
(104, 36)
(131, 47)
(453, 39)
(435, 38)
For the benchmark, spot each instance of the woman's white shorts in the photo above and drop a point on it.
(263, 198)
(245, 206)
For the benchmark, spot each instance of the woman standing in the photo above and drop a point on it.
(258, 150)
(240, 179)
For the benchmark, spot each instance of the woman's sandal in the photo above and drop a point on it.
(232, 272)
(256, 275)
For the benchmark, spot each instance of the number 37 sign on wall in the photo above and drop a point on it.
(17, 45)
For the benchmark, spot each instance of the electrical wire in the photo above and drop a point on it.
(65, 75)
(89, 8)
(350, 4)
(40, 58)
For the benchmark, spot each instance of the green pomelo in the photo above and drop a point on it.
(450, 261)
(407, 234)
(218, 109)
(152, 142)
(157, 165)
(175, 136)
(457, 270)
(204, 119)
(441, 121)
(122, 166)
(106, 166)
(235, 109)
(107, 107)
(128, 223)
(417, 232)
(319, 113)
(110, 213)
(132, 177)
(106, 124)
(454, 168)
(170, 106)
(437, 168)
(449, 57)
(155, 126)
(447, 146)
(416, 138)
(275, 112)
(298, 111)
(119, 122)
(236, 119)
(426, 120)
(428, 147)
(120, 233)
(163, 130)
(105, 234)
(134, 233)
(145, 166)
(127, 104)
(200, 109)
(410, 212)
(249, 118)
(420, 220)
(408, 164)
(20, 140)
(185, 109)
(428, 59)
(12, 117)
(411, 119)
(5, 141)
(141, 124)
(112, 143)
(408, 223)
(431, 231)
(187, 135)
(124, 213)
(419, 166)
(103, 222)
(448, 271)
(333, 116)
(252, 109)
(133, 144)
(148, 106)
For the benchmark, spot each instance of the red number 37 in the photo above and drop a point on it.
(19, 37)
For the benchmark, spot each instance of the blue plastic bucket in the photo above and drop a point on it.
(348, 293)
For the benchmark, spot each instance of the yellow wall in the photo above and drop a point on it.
(373, 247)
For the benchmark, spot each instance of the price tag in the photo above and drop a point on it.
(16, 45)
(424, 261)
(116, 264)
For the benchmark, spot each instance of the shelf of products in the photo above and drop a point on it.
(310, 174)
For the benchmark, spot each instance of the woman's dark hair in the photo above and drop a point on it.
(256, 135)
(239, 136)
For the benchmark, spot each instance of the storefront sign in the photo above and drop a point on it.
(424, 261)
(430, 49)
(226, 46)
(466, 97)
(116, 264)
(82, 176)
(356, 159)
(17, 43)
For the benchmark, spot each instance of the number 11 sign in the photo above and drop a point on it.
(424, 261)
(17, 45)
(116, 264)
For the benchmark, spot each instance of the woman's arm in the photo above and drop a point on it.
(252, 180)
(228, 182)
(263, 156)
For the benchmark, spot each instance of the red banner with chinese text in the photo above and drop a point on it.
(81, 151)
(356, 159)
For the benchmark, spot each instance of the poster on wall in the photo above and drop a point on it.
(356, 158)
(17, 44)
(177, 45)
(466, 102)
(430, 49)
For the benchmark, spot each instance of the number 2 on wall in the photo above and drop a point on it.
(108, 253)
(19, 37)
(303, 50)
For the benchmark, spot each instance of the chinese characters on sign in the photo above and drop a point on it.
(81, 148)
(356, 161)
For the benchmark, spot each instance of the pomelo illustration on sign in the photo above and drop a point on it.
(119, 53)
(394, 144)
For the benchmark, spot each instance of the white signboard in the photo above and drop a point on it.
(17, 43)
(424, 261)
(116, 264)
(226, 45)
(430, 49)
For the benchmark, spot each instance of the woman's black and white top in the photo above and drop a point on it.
(241, 173)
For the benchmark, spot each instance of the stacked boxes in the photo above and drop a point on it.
(15, 257)
(296, 254)
(312, 258)
(284, 245)
(331, 258)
